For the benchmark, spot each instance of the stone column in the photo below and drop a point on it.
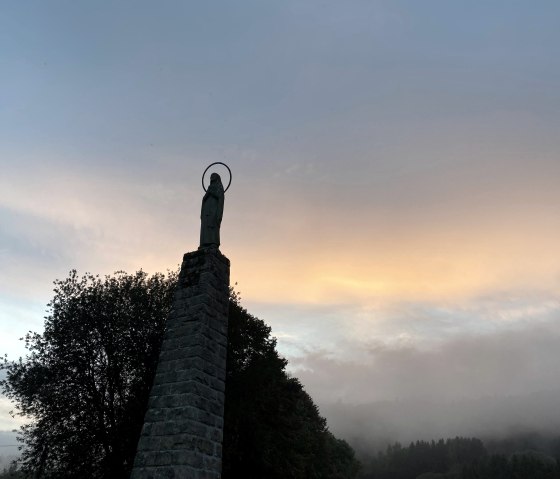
(183, 426)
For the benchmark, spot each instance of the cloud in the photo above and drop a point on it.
(7, 422)
(370, 427)
(503, 363)
(389, 176)
(8, 448)
(348, 331)
(491, 384)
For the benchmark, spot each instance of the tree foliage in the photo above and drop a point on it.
(86, 381)
(272, 427)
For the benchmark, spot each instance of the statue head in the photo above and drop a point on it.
(215, 179)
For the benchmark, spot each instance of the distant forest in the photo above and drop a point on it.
(523, 457)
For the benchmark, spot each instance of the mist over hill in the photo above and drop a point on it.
(494, 385)
(371, 427)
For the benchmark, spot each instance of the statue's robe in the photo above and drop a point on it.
(211, 215)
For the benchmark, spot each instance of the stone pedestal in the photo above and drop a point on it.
(183, 427)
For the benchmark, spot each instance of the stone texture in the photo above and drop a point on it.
(183, 426)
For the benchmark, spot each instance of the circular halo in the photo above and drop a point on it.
(216, 163)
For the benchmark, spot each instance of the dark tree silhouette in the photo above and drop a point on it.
(459, 458)
(272, 427)
(86, 381)
(420, 457)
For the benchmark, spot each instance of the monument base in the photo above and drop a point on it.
(183, 426)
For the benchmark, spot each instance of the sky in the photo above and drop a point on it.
(393, 213)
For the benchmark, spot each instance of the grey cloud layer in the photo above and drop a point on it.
(487, 385)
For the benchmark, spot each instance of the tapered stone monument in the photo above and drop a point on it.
(183, 426)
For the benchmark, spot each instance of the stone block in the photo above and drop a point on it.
(183, 428)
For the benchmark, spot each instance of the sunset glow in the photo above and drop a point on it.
(395, 201)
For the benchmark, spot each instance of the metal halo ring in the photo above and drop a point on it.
(217, 163)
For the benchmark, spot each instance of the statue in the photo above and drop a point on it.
(211, 213)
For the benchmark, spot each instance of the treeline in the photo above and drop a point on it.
(459, 458)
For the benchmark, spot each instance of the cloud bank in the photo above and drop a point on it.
(487, 385)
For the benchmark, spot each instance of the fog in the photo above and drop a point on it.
(494, 385)
(490, 385)
(8, 448)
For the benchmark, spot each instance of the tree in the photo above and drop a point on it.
(445, 458)
(272, 427)
(87, 378)
(86, 381)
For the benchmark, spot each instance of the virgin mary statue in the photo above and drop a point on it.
(211, 213)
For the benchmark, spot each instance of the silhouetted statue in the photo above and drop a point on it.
(211, 213)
